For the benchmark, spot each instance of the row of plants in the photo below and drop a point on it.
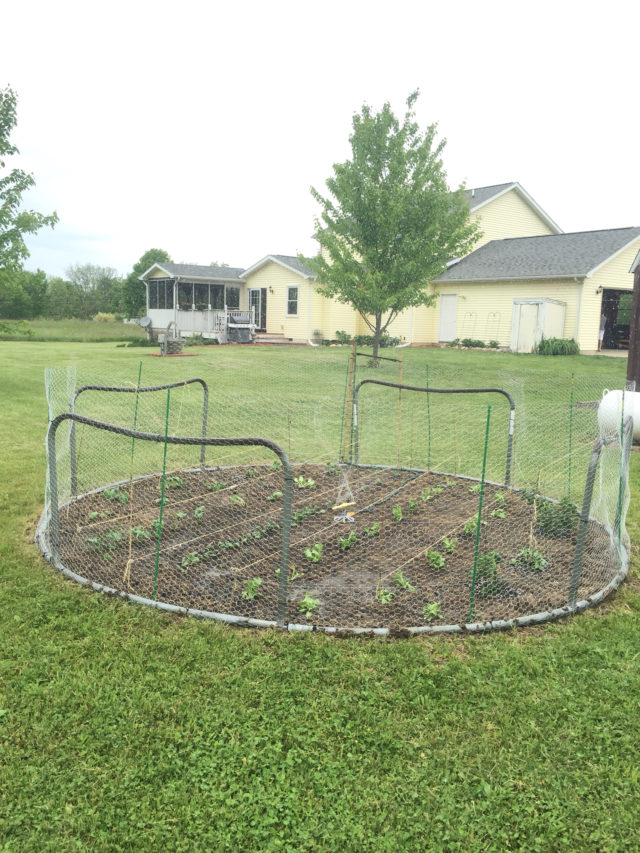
(472, 343)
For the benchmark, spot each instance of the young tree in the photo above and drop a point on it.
(14, 222)
(132, 302)
(391, 222)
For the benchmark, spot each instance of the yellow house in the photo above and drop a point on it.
(524, 279)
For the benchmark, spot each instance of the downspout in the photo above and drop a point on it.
(576, 328)
(309, 341)
(410, 341)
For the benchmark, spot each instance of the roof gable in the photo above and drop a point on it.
(289, 262)
(480, 196)
(576, 255)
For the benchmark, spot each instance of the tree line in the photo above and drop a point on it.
(86, 290)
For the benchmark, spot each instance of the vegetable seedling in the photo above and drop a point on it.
(432, 611)
(251, 588)
(174, 482)
(396, 512)
(498, 512)
(450, 545)
(348, 542)
(274, 496)
(400, 580)
(308, 605)
(530, 558)
(435, 559)
(213, 486)
(116, 495)
(373, 530)
(314, 554)
(385, 596)
(190, 559)
(238, 500)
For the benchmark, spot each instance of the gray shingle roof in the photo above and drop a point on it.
(549, 256)
(209, 273)
(479, 195)
(294, 263)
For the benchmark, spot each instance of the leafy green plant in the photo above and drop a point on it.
(276, 465)
(237, 500)
(178, 516)
(400, 580)
(499, 498)
(557, 346)
(294, 573)
(331, 469)
(411, 506)
(251, 588)
(472, 343)
(436, 490)
(435, 559)
(449, 544)
(214, 486)
(487, 572)
(557, 520)
(494, 344)
(530, 558)
(475, 489)
(469, 528)
(498, 512)
(308, 605)
(157, 527)
(348, 542)
(454, 343)
(198, 513)
(190, 559)
(173, 481)
(251, 473)
(426, 495)
(116, 495)
(107, 542)
(304, 482)
(314, 554)
(275, 496)
(432, 611)
(373, 530)
(140, 533)
(95, 515)
(396, 512)
(385, 596)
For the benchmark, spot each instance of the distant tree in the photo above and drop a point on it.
(66, 300)
(23, 294)
(101, 287)
(391, 222)
(216, 264)
(132, 301)
(14, 221)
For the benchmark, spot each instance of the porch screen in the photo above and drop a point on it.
(161, 293)
(233, 297)
(185, 295)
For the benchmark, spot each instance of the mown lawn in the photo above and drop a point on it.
(126, 729)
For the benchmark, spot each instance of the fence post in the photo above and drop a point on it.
(162, 482)
(479, 524)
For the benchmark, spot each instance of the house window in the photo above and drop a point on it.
(292, 301)
(233, 297)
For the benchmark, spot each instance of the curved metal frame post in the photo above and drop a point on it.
(188, 440)
(581, 538)
(512, 414)
(125, 390)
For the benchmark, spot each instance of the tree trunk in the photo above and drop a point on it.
(376, 341)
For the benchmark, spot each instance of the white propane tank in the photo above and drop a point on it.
(610, 411)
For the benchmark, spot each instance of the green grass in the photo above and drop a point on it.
(127, 729)
(81, 331)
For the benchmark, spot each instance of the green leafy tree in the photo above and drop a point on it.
(132, 301)
(23, 294)
(391, 222)
(15, 222)
(101, 287)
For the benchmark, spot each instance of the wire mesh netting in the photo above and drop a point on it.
(311, 490)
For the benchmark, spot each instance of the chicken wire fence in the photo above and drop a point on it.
(318, 492)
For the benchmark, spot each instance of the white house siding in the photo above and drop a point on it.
(614, 274)
(508, 216)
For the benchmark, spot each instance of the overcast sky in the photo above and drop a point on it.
(198, 127)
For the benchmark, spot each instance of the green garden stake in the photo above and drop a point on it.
(479, 525)
(428, 422)
(164, 469)
(570, 435)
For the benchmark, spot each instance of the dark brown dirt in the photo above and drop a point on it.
(222, 532)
